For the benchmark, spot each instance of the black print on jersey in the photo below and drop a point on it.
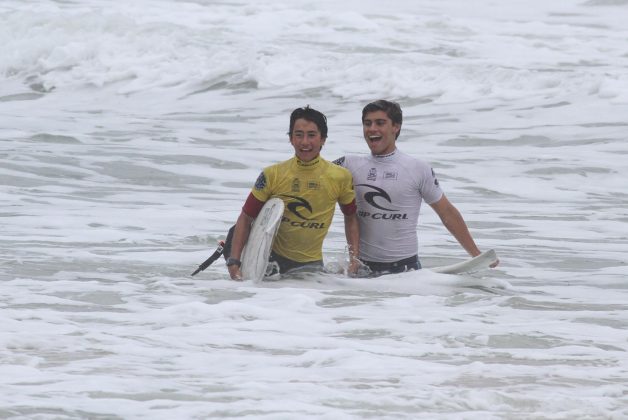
(370, 196)
(261, 181)
(434, 176)
(295, 206)
(296, 185)
(372, 175)
(340, 161)
(390, 175)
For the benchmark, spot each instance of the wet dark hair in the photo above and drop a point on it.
(392, 109)
(311, 115)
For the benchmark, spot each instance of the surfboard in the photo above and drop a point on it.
(257, 250)
(480, 262)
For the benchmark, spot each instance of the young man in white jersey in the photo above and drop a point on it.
(390, 186)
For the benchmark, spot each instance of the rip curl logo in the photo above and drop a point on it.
(295, 207)
(299, 203)
(372, 195)
(260, 183)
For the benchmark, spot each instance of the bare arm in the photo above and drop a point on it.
(453, 221)
(240, 237)
(352, 232)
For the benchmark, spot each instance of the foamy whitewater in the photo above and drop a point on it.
(132, 132)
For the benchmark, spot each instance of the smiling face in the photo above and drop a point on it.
(380, 132)
(306, 139)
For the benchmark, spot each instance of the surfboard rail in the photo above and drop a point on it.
(480, 262)
(257, 249)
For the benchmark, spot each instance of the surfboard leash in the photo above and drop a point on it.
(217, 253)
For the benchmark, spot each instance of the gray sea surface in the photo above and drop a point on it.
(131, 134)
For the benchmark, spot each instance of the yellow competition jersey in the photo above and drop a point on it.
(310, 191)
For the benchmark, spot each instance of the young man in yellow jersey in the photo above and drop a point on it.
(310, 187)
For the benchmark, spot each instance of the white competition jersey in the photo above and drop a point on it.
(389, 191)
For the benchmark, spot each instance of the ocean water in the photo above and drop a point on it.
(131, 133)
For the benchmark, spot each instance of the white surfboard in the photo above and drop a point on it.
(257, 250)
(480, 262)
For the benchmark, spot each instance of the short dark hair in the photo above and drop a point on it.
(392, 109)
(312, 115)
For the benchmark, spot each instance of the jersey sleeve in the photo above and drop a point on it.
(429, 187)
(347, 194)
(252, 206)
(349, 209)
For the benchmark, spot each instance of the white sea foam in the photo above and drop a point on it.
(132, 132)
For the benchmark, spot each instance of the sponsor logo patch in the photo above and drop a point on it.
(390, 175)
(296, 185)
(260, 183)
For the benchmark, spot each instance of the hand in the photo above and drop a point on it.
(354, 265)
(234, 272)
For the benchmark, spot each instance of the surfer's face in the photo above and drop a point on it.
(380, 132)
(306, 140)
